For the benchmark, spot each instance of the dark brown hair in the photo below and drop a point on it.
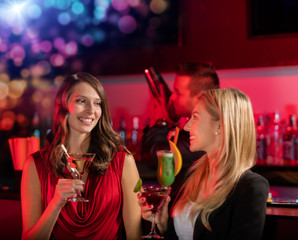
(104, 141)
(203, 76)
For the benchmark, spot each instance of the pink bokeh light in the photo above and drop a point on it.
(127, 24)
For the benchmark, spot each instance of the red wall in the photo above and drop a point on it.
(269, 88)
(217, 31)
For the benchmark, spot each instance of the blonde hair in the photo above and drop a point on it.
(236, 153)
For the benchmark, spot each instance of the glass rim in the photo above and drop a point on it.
(157, 187)
(165, 152)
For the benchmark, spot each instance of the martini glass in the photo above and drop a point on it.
(81, 161)
(155, 196)
(165, 168)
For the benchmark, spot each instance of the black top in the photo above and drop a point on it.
(242, 215)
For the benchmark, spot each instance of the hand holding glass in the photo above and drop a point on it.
(82, 162)
(155, 196)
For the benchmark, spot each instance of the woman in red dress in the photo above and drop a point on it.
(81, 122)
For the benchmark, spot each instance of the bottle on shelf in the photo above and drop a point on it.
(289, 139)
(135, 131)
(35, 125)
(135, 146)
(274, 140)
(122, 130)
(261, 139)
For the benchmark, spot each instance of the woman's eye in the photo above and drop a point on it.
(79, 100)
(98, 103)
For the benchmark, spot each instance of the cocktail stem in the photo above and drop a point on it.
(79, 193)
(153, 224)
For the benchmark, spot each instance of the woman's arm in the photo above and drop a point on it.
(131, 209)
(38, 224)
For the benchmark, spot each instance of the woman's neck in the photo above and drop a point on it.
(210, 181)
(78, 143)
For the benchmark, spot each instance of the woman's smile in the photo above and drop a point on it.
(86, 120)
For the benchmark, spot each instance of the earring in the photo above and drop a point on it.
(216, 133)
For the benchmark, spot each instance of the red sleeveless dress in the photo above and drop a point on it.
(101, 217)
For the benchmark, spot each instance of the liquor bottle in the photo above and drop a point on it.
(155, 81)
(135, 131)
(274, 140)
(289, 138)
(296, 148)
(122, 129)
(35, 125)
(136, 136)
(261, 139)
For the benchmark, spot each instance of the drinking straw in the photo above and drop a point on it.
(68, 169)
(65, 151)
(177, 129)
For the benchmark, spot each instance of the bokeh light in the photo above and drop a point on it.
(17, 54)
(59, 43)
(37, 96)
(127, 24)
(4, 77)
(159, 6)
(46, 103)
(7, 121)
(57, 60)
(58, 30)
(120, 5)
(64, 18)
(77, 8)
(58, 80)
(71, 48)
(87, 40)
(16, 88)
(3, 103)
(25, 73)
(22, 120)
(4, 90)
(46, 46)
(34, 11)
(133, 3)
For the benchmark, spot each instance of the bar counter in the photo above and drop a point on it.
(281, 219)
(282, 211)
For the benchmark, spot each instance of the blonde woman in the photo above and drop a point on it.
(222, 198)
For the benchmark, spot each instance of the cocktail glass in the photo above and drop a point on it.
(82, 162)
(165, 168)
(155, 196)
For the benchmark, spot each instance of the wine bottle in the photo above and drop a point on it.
(135, 130)
(122, 129)
(261, 139)
(35, 125)
(289, 138)
(274, 140)
(155, 80)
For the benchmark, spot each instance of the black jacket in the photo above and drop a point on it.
(241, 217)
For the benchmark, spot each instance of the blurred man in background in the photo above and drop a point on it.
(191, 78)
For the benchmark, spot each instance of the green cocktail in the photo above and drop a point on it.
(165, 169)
